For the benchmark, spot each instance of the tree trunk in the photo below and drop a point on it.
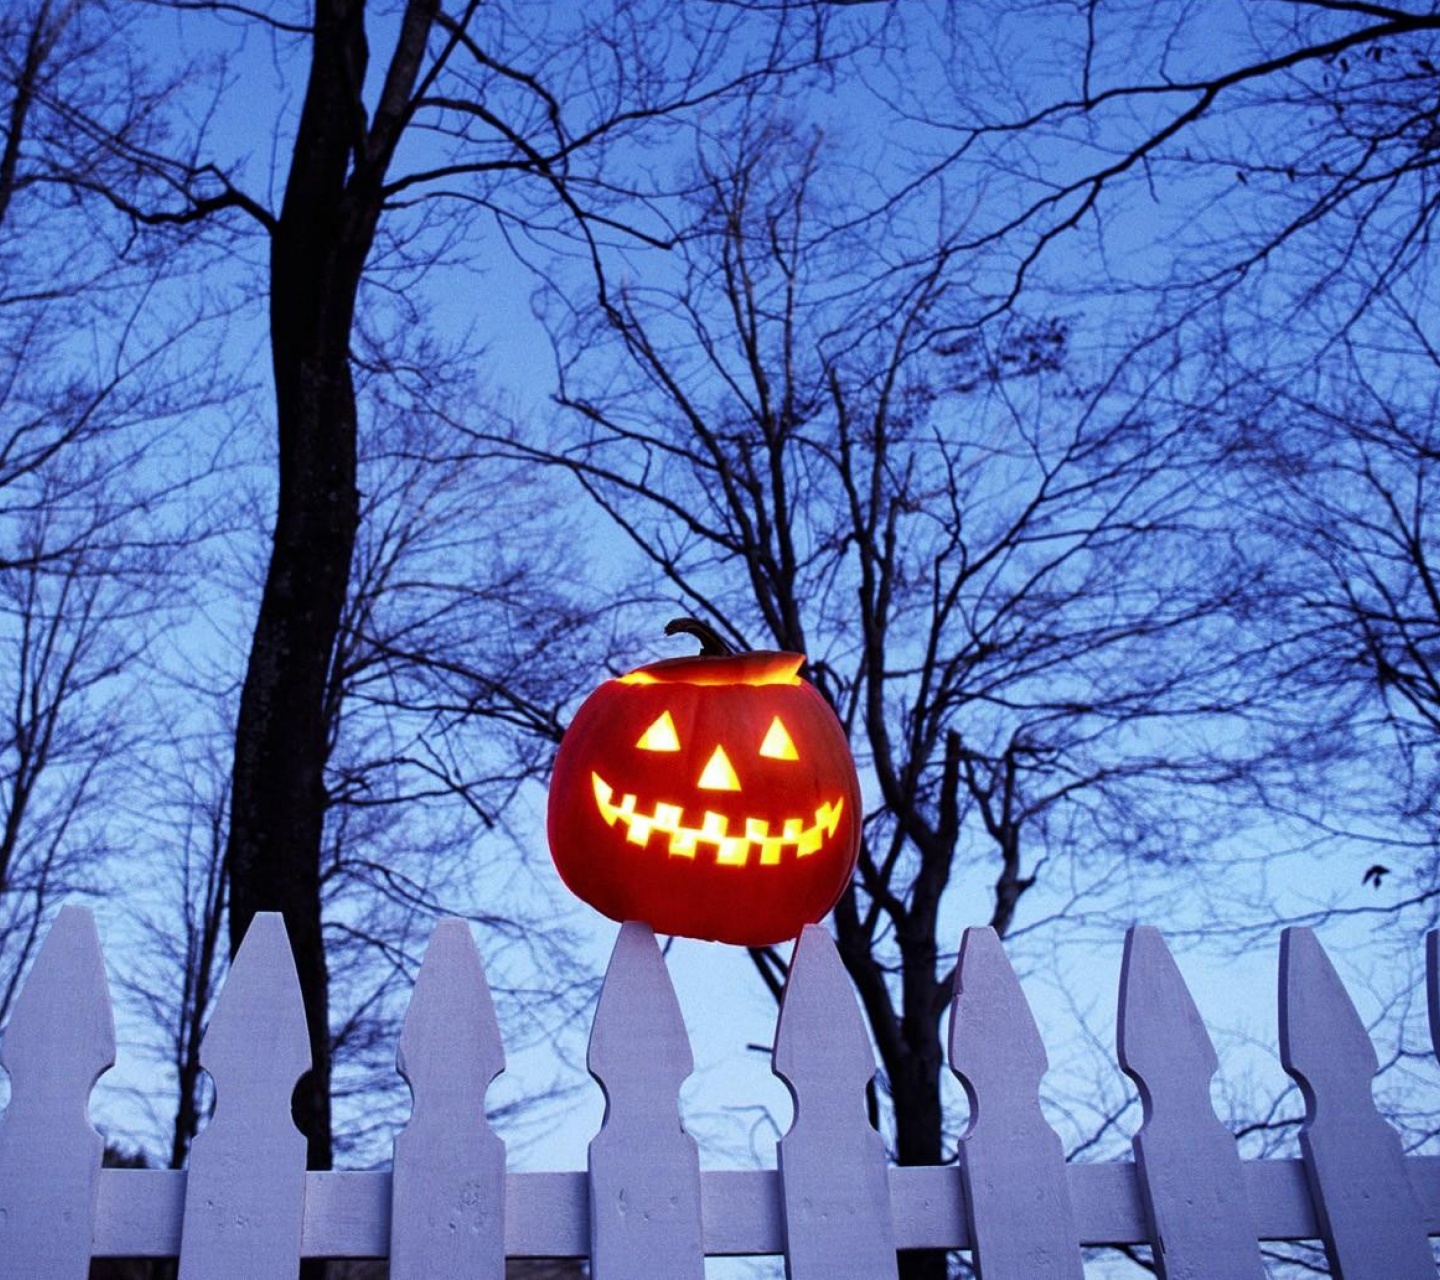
(915, 1075)
(278, 804)
(915, 1095)
(910, 1046)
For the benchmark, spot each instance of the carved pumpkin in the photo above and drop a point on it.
(711, 796)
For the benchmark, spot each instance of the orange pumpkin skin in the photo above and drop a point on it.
(677, 801)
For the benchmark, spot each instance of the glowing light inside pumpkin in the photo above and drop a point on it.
(718, 773)
(737, 669)
(794, 835)
(778, 744)
(660, 736)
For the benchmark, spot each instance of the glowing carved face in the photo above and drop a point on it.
(711, 796)
(766, 838)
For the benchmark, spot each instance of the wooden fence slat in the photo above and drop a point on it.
(547, 1214)
(448, 1193)
(834, 1184)
(1368, 1215)
(247, 1208)
(644, 1168)
(245, 1190)
(1017, 1195)
(61, 1038)
(1189, 1165)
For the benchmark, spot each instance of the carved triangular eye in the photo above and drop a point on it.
(719, 773)
(778, 744)
(660, 736)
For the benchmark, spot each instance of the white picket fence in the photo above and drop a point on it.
(246, 1209)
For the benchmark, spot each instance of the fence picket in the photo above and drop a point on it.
(1353, 1159)
(61, 1038)
(644, 1168)
(834, 1185)
(247, 1208)
(1017, 1194)
(245, 1191)
(1189, 1165)
(448, 1188)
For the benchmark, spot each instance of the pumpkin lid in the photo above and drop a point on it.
(720, 669)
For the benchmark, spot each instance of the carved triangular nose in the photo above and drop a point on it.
(719, 773)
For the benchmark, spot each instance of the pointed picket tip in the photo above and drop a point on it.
(1321, 1034)
(448, 1174)
(257, 1040)
(638, 1011)
(644, 1169)
(1160, 1031)
(61, 1038)
(818, 1010)
(1354, 1160)
(245, 1187)
(834, 1182)
(1012, 1164)
(61, 1035)
(994, 1041)
(450, 1042)
(1191, 1180)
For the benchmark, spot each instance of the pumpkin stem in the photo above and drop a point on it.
(712, 643)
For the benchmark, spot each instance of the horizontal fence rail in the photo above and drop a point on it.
(834, 1208)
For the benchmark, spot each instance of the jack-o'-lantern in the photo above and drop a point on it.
(711, 796)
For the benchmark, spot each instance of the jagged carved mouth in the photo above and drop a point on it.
(794, 835)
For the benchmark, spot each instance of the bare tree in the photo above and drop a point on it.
(1258, 187)
(174, 977)
(458, 646)
(1186, 154)
(61, 738)
(1341, 454)
(91, 381)
(476, 113)
(1013, 586)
